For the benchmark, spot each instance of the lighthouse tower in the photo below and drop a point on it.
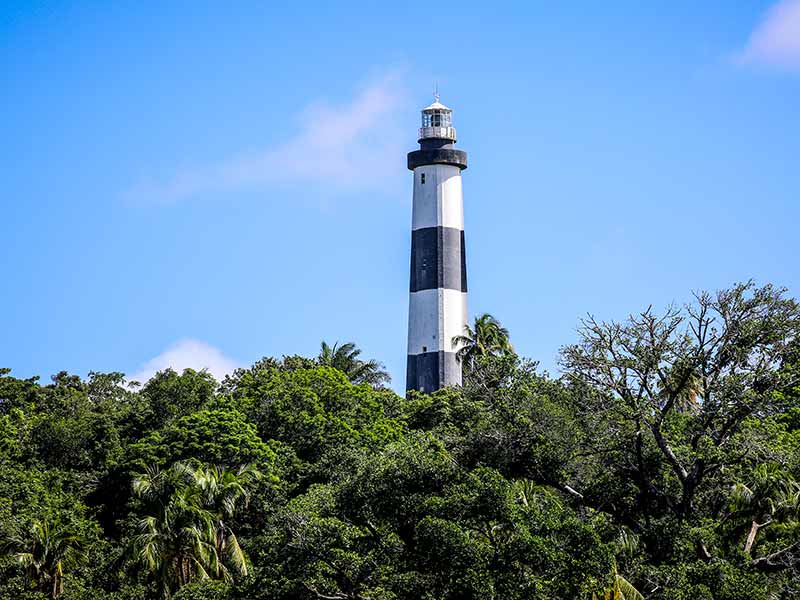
(438, 304)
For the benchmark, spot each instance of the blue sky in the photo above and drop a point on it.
(195, 184)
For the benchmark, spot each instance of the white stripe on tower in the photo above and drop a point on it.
(440, 314)
(437, 202)
(438, 291)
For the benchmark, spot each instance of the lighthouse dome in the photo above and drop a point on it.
(436, 106)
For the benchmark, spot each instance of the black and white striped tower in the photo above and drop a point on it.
(438, 305)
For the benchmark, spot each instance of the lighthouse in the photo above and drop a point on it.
(438, 294)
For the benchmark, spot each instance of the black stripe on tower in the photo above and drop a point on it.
(437, 156)
(426, 371)
(438, 259)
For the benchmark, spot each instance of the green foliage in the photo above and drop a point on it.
(169, 395)
(46, 551)
(486, 339)
(221, 436)
(184, 534)
(665, 462)
(207, 590)
(621, 589)
(317, 412)
(346, 359)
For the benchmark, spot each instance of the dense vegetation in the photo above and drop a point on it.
(665, 459)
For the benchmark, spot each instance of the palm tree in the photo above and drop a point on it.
(530, 494)
(691, 388)
(174, 547)
(46, 551)
(770, 494)
(189, 537)
(346, 359)
(173, 542)
(487, 338)
(621, 589)
(222, 492)
(687, 399)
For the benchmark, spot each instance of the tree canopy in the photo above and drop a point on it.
(663, 463)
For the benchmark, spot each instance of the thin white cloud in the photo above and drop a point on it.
(775, 42)
(334, 145)
(187, 354)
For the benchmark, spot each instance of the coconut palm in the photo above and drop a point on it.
(346, 359)
(222, 492)
(691, 387)
(530, 494)
(174, 547)
(487, 338)
(687, 400)
(173, 543)
(46, 551)
(770, 494)
(621, 589)
(187, 536)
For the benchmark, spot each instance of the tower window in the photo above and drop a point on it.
(422, 179)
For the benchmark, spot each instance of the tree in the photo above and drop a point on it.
(16, 393)
(688, 399)
(669, 447)
(173, 540)
(220, 435)
(488, 338)
(223, 492)
(317, 412)
(621, 589)
(46, 551)
(346, 359)
(630, 376)
(771, 494)
(187, 537)
(410, 522)
(170, 395)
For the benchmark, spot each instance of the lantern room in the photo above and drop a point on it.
(437, 123)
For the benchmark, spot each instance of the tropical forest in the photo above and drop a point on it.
(660, 461)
